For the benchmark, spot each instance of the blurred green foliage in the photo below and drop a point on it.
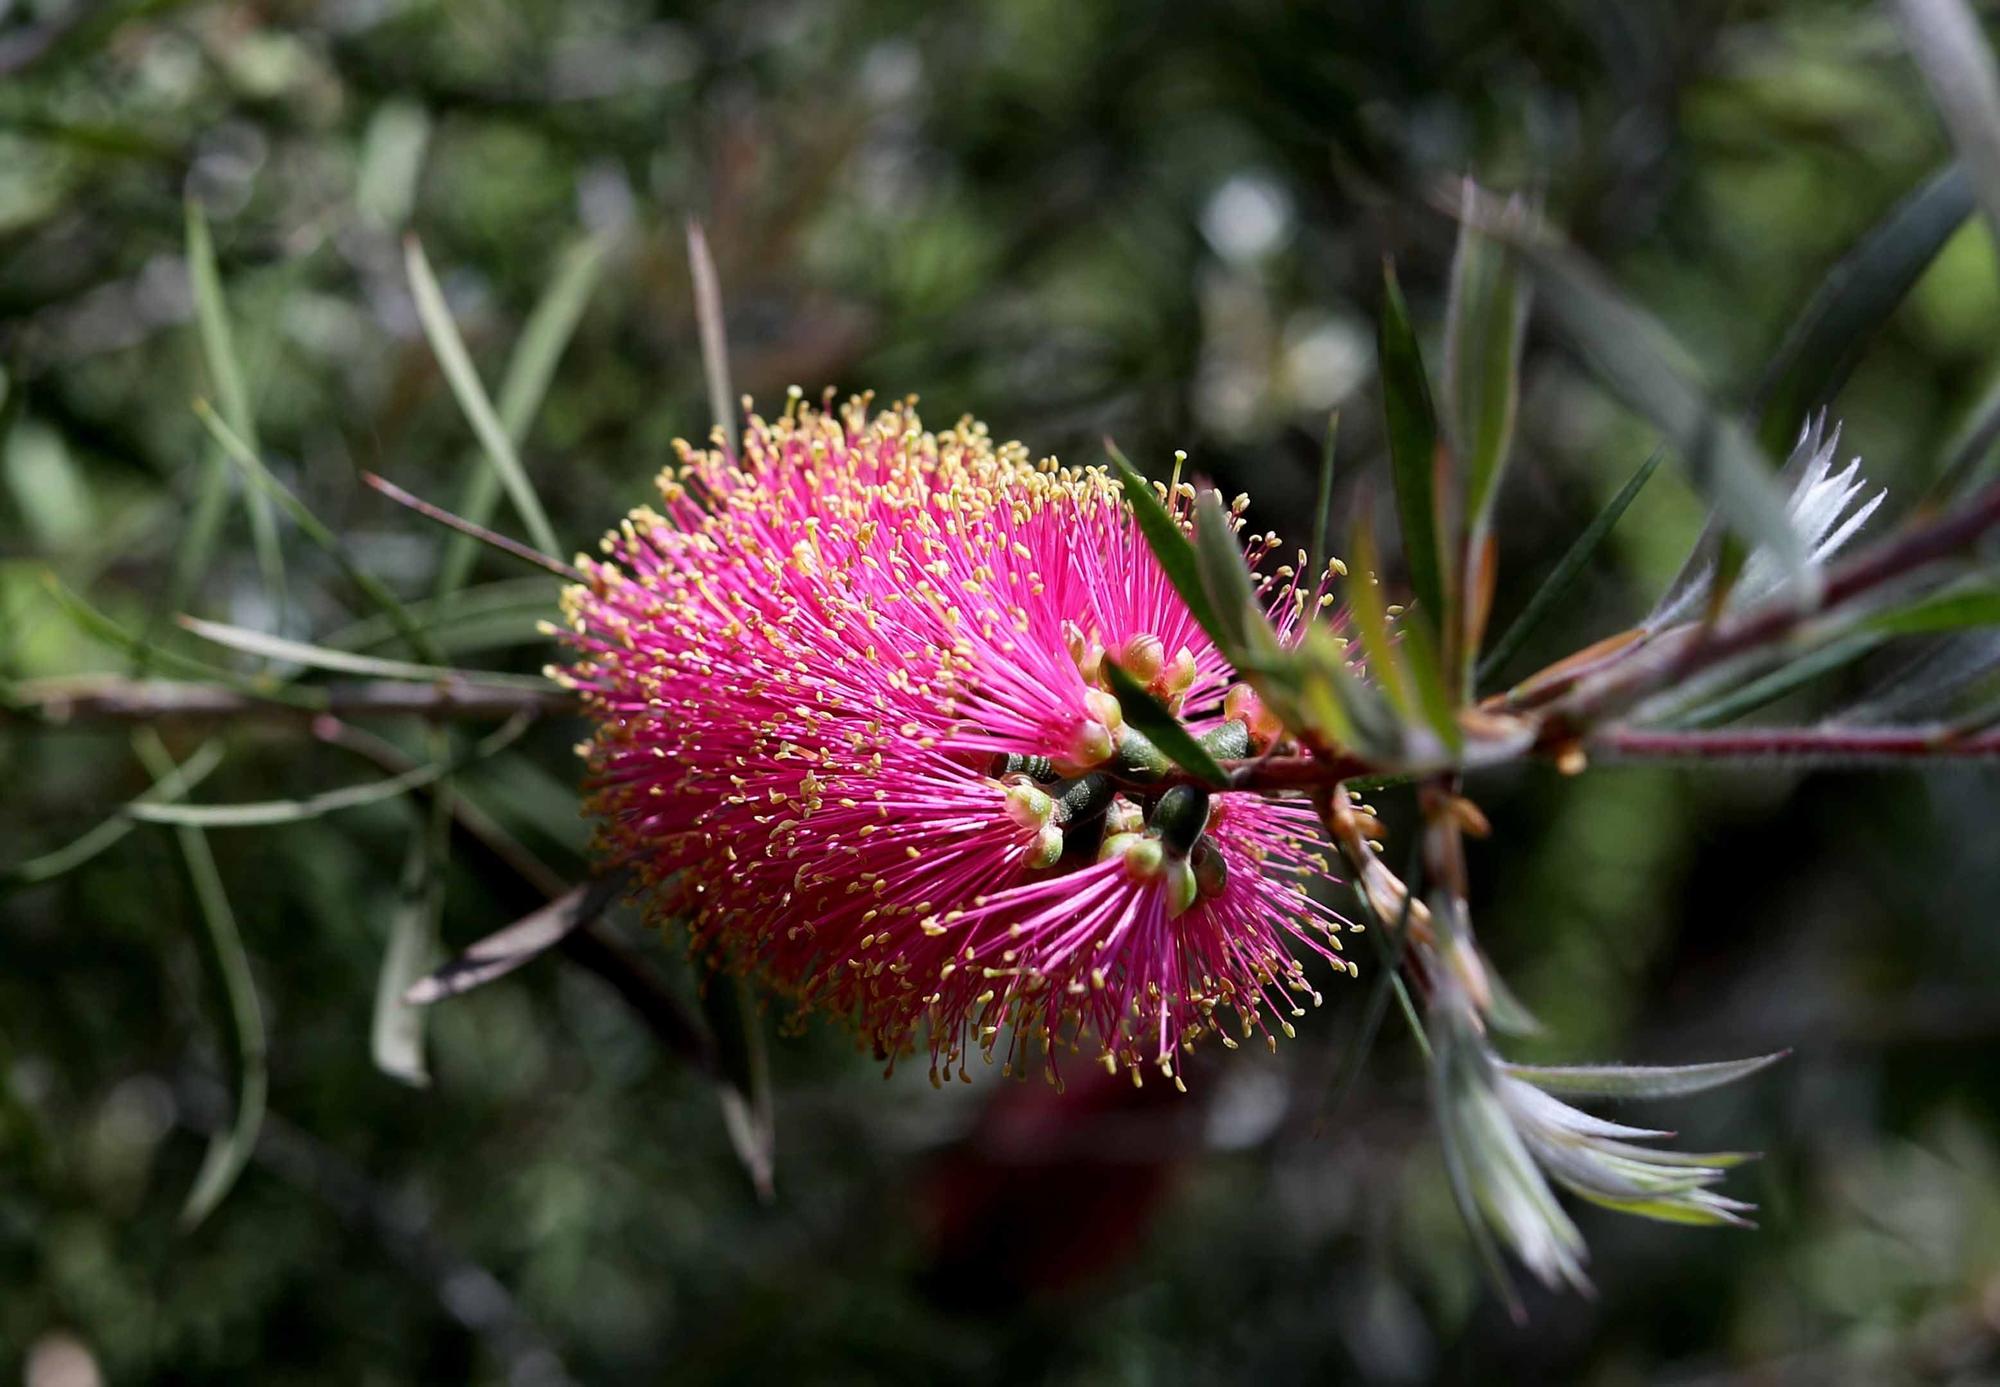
(1158, 221)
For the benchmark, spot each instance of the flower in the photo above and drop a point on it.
(851, 729)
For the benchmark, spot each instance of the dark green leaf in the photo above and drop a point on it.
(1484, 322)
(1649, 371)
(218, 349)
(1413, 438)
(1168, 542)
(229, 1150)
(1567, 570)
(1852, 302)
(1163, 729)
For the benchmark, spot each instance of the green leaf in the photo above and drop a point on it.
(449, 348)
(744, 1070)
(1484, 322)
(1648, 370)
(1413, 439)
(1945, 39)
(1961, 610)
(1225, 578)
(1775, 684)
(96, 624)
(264, 813)
(506, 612)
(1169, 543)
(1163, 729)
(229, 1150)
(1639, 1081)
(278, 648)
(1852, 302)
(1567, 570)
(218, 349)
(544, 337)
(316, 530)
(1322, 511)
(73, 854)
(396, 1031)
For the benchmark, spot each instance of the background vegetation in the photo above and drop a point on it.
(1162, 222)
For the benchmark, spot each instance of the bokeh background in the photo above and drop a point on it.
(1158, 221)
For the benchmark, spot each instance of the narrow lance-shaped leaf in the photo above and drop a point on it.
(1643, 366)
(1413, 440)
(1484, 322)
(1163, 729)
(228, 1150)
(61, 861)
(265, 813)
(459, 372)
(218, 348)
(1640, 1081)
(1852, 302)
(1945, 39)
(1169, 543)
(1322, 511)
(278, 648)
(1567, 570)
(1225, 578)
(545, 335)
(396, 1031)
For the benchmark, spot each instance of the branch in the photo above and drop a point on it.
(1675, 655)
(1848, 746)
(113, 698)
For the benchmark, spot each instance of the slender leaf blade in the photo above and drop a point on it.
(1952, 53)
(1169, 543)
(1413, 440)
(456, 363)
(1163, 729)
(1567, 570)
(1852, 302)
(218, 348)
(1640, 1081)
(551, 323)
(1642, 365)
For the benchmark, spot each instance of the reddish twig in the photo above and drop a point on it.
(513, 548)
(1825, 745)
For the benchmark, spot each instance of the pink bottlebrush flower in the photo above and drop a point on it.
(850, 730)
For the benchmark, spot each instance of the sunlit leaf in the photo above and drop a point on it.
(456, 363)
(544, 337)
